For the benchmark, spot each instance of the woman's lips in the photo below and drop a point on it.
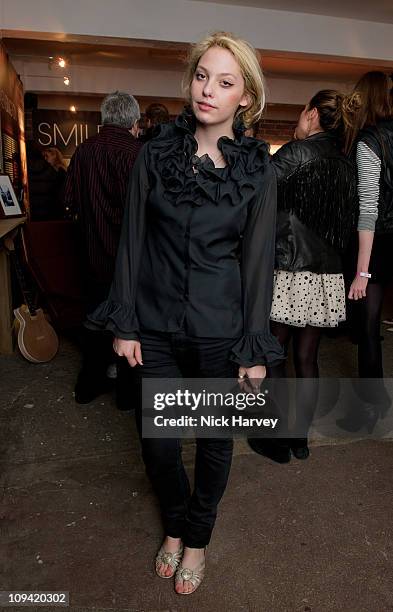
(205, 107)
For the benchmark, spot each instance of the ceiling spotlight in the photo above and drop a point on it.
(66, 80)
(73, 109)
(62, 63)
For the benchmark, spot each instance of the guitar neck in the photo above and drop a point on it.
(22, 282)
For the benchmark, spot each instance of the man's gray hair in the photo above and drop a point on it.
(121, 109)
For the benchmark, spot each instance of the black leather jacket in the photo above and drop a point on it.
(380, 140)
(317, 204)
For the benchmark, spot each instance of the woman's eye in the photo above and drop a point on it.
(227, 83)
(199, 76)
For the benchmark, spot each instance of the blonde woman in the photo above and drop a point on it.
(54, 157)
(184, 302)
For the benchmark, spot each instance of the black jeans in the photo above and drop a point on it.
(187, 515)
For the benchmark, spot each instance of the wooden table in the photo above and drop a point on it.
(6, 228)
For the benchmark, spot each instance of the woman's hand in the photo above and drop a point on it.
(131, 349)
(358, 288)
(359, 284)
(251, 378)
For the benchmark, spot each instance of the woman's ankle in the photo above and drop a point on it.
(194, 551)
(172, 542)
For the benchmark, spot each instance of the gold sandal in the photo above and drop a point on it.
(194, 576)
(168, 558)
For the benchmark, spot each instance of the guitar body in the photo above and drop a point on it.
(37, 340)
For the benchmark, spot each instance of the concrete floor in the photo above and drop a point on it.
(78, 513)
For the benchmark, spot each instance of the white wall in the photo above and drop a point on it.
(184, 21)
(187, 20)
(36, 76)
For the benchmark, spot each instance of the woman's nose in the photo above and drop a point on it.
(208, 89)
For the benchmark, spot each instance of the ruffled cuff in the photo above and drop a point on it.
(257, 349)
(118, 318)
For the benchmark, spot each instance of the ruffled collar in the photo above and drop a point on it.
(174, 153)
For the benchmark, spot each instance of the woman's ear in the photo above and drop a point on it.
(246, 100)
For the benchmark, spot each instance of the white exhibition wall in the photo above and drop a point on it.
(183, 21)
(37, 76)
(188, 20)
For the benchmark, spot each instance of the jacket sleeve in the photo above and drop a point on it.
(286, 160)
(258, 346)
(117, 314)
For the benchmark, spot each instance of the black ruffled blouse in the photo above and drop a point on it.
(197, 246)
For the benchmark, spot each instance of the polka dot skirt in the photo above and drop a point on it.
(307, 298)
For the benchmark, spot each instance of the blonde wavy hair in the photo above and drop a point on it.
(59, 161)
(248, 60)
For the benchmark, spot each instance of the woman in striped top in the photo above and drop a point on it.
(369, 115)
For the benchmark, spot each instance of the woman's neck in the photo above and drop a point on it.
(315, 130)
(208, 135)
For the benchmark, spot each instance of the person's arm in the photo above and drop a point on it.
(258, 346)
(117, 314)
(369, 170)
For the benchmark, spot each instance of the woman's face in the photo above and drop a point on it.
(217, 89)
(50, 156)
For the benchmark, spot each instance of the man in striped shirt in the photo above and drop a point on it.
(95, 193)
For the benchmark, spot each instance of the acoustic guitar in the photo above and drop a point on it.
(37, 340)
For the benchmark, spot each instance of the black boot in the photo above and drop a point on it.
(275, 449)
(365, 416)
(299, 448)
(87, 387)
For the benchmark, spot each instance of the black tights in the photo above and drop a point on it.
(367, 315)
(305, 349)
(369, 324)
(305, 354)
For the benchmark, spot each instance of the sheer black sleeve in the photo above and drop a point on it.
(117, 314)
(258, 346)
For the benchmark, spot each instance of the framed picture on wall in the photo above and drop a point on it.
(9, 206)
